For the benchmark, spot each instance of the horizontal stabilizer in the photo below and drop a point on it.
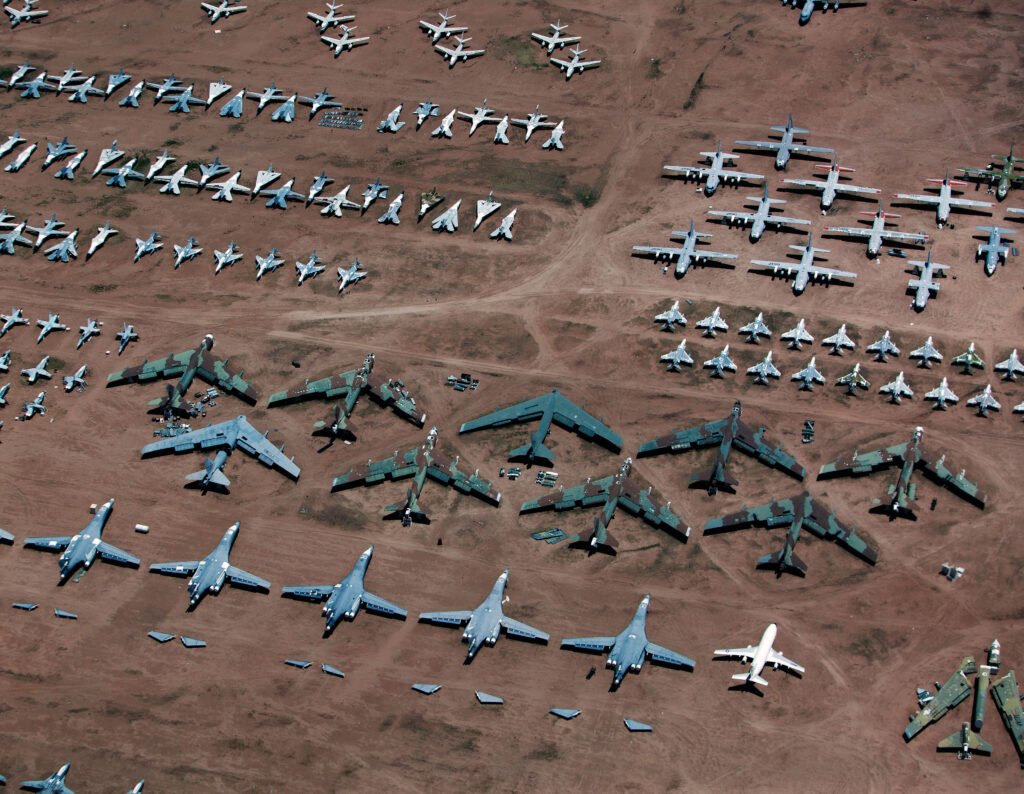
(750, 678)
(794, 564)
(217, 478)
(532, 451)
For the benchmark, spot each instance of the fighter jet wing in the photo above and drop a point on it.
(48, 544)
(108, 552)
(393, 468)
(175, 568)
(865, 462)
(776, 658)
(935, 465)
(312, 593)
(589, 643)
(680, 440)
(446, 471)
(522, 630)
(371, 601)
(453, 618)
(751, 441)
(327, 388)
(665, 656)
(246, 579)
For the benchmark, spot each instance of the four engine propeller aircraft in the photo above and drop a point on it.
(611, 492)
(945, 201)
(878, 232)
(994, 250)
(830, 187)
(760, 218)
(1003, 172)
(785, 146)
(685, 256)
(807, 6)
(714, 173)
(803, 272)
(925, 285)
(759, 656)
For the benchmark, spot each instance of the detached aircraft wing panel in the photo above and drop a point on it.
(638, 501)
(518, 629)
(176, 568)
(312, 593)
(246, 579)
(775, 512)
(867, 461)
(206, 437)
(115, 554)
(593, 492)
(589, 643)
(692, 438)
(371, 601)
(392, 468)
(218, 373)
(665, 656)
(326, 388)
(451, 618)
(48, 544)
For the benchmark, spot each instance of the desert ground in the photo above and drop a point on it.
(901, 90)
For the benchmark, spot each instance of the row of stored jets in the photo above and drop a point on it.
(554, 38)
(53, 323)
(480, 115)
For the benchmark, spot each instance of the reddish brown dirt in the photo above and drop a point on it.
(902, 90)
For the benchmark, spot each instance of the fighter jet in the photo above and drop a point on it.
(216, 91)
(808, 376)
(65, 250)
(533, 121)
(175, 181)
(501, 131)
(551, 407)
(67, 171)
(628, 650)
(264, 178)
(993, 251)
(19, 72)
(968, 359)
(12, 141)
(102, 233)
(188, 365)
(1002, 171)
(676, 358)
(120, 174)
(720, 363)
(797, 336)
(147, 246)
(785, 146)
(309, 268)
(224, 189)
(764, 369)
(34, 86)
(984, 401)
(349, 386)
(909, 455)
(181, 102)
(350, 275)
(58, 151)
(115, 81)
(944, 200)
(761, 217)
(611, 492)
(481, 115)
(555, 37)
(268, 263)
(124, 336)
(344, 599)
(460, 53)
(391, 213)
(949, 695)
(807, 6)
(23, 157)
(14, 237)
(233, 107)
(555, 139)
(442, 28)
(131, 99)
(445, 127)
(224, 9)
(878, 232)
(927, 353)
(211, 170)
(685, 256)
(51, 323)
(883, 348)
(577, 64)
(3, 392)
(211, 572)
(373, 192)
(838, 341)
(831, 187)
(331, 19)
(713, 323)
(419, 463)
(726, 434)
(760, 655)
(183, 253)
(54, 784)
(5, 361)
(897, 389)
(81, 549)
(27, 13)
(87, 331)
(319, 183)
(756, 328)
(942, 394)
(285, 112)
(485, 208)
(50, 228)
(107, 156)
(321, 100)
(76, 380)
(425, 110)
(805, 271)
(798, 512)
(1011, 366)
(447, 221)
(279, 198)
(335, 204)
(714, 173)
(345, 42)
(32, 374)
(226, 257)
(269, 94)
(486, 622)
(10, 320)
(35, 407)
(924, 286)
(671, 317)
(504, 229)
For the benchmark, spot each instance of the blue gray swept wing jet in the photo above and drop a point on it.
(54, 784)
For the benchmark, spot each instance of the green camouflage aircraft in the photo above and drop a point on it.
(1008, 701)
(950, 695)
(911, 455)
(187, 365)
(610, 492)
(349, 385)
(1002, 172)
(969, 358)
(964, 741)
(798, 512)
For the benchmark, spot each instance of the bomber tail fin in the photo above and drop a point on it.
(533, 451)
(781, 561)
(209, 477)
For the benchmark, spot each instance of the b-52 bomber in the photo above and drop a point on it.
(186, 366)
(830, 187)
(344, 599)
(628, 650)
(725, 433)
(551, 407)
(418, 463)
(805, 271)
(877, 233)
(761, 217)
(807, 6)
(486, 622)
(713, 173)
(685, 256)
(349, 386)
(798, 512)
(910, 455)
(786, 146)
(82, 548)
(1003, 172)
(236, 433)
(611, 492)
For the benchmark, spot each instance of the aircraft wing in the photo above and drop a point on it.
(518, 629)
(256, 444)
(39, 785)
(207, 437)
(312, 593)
(447, 471)
(776, 658)
(687, 170)
(665, 656)
(246, 579)
(825, 525)
(325, 388)
(680, 440)
(865, 462)
(370, 601)
(925, 198)
(743, 653)
(831, 272)
(844, 188)
(547, 40)
(752, 442)
(740, 175)
(563, 63)
(448, 51)
(733, 217)
(893, 235)
(451, 618)
(590, 493)
(775, 512)
(387, 392)
(640, 502)
(800, 147)
(108, 552)
(393, 468)
(813, 184)
(175, 568)
(48, 544)
(853, 231)
(589, 643)
(169, 367)
(935, 465)
(962, 202)
(762, 144)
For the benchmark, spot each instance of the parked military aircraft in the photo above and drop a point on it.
(676, 358)
(838, 341)
(714, 173)
(58, 151)
(120, 174)
(181, 102)
(319, 183)
(671, 317)
(227, 257)
(797, 336)
(785, 146)
(878, 232)
(189, 364)
(19, 72)
(224, 9)
(445, 127)
(87, 331)
(50, 228)
(147, 246)
(720, 363)
(713, 323)
(927, 353)
(551, 407)
(183, 253)
(984, 401)
(725, 434)
(760, 655)
(344, 599)
(442, 28)
(807, 6)
(993, 250)
(12, 141)
(924, 286)
(853, 380)
(225, 189)
(805, 271)
(216, 91)
(486, 622)
(321, 100)
(131, 99)
(756, 328)
(761, 217)
(23, 157)
(65, 250)
(34, 86)
(554, 141)
(447, 221)
(425, 110)
(233, 107)
(942, 394)
(350, 275)
(577, 64)
(809, 375)
(391, 213)
(968, 359)
(555, 37)
(27, 13)
(1011, 366)
(949, 695)
(36, 406)
(108, 156)
(335, 204)
(480, 115)
(75, 380)
(1003, 172)
(82, 548)
(883, 348)
(269, 94)
(504, 229)
(5, 361)
(485, 208)
(32, 374)
(264, 178)
(309, 268)
(460, 53)
(628, 650)
(54, 784)
(268, 263)
(14, 237)
(10, 320)
(897, 389)
(685, 256)
(175, 181)
(830, 187)
(211, 572)
(534, 121)
(115, 81)
(279, 198)
(67, 171)
(764, 369)
(373, 192)
(945, 201)
(51, 323)
(345, 42)
(331, 19)
(798, 512)
(3, 401)
(124, 336)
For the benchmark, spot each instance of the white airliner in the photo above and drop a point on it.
(759, 656)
